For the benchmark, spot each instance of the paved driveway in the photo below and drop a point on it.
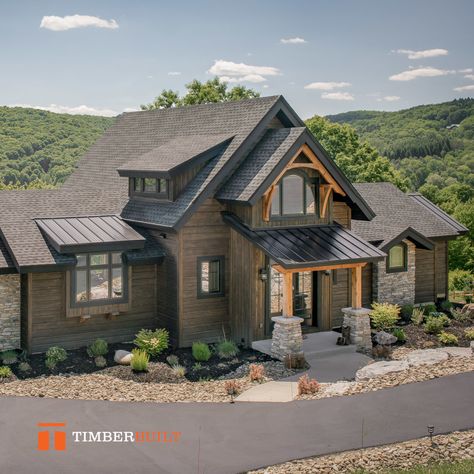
(225, 438)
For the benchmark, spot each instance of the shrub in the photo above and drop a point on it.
(459, 316)
(382, 352)
(100, 361)
(384, 315)
(417, 316)
(172, 360)
(152, 342)
(446, 305)
(469, 332)
(98, 348)
(460, 280)
(232, 387)
(5, 372)
(179, 370)
(256, 373)
(307, 386)
(227, 349)
(197, 366)
(429, 308)
(54, 355)
(405, 312)
(140, 359)
(9, 357)
(433, 325)
(447, 338)
(24, 367)
(201, 351)
(399, 333)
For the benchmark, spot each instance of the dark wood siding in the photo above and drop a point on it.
(342, 214)
(50, 326)
(441, 269)
(424, 276)
(205, 234)
(341, 295)
(367, 283)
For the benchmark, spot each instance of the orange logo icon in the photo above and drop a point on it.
(59, 437)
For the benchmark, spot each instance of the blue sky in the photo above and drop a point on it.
(348, 50)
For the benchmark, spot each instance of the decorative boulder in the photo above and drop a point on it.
(378, 369)
(384, 338)
(468, 309)
(426, 357)
(123, 357)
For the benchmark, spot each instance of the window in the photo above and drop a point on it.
(99, 277)
(152, 187)
(294, 195)
(397, 258)
(210, 271)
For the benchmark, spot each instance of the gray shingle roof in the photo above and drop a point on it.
(174, 154)
(6, 262)
(259, 164)
(396, 211)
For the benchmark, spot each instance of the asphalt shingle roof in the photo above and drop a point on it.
(396, 211)
(6, 261)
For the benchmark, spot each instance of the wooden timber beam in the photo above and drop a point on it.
(326, 190)
(283, 270)
(356, 287)
(287, 294)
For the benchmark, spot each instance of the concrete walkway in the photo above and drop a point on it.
(270, 392)
(228, 438)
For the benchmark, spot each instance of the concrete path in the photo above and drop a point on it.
(270, 392)
(228, 438)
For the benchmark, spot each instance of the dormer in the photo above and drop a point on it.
(163, 172)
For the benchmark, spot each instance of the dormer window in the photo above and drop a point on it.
(149, 187)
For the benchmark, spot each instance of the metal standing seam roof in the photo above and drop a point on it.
(85, 234)
(306, 247)
(6, 262)
(180, 152)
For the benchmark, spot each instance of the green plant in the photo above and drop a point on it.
(460, 280)
(5, 372)
(24, 367)
(256, 373)
(54, 355)
(447, 338)
(227, 349)
(98, 348)
(399, 333)
(417, 316)
(429, 308)
(9, 357)
(446, 305)
(201, 351)
(384, 315)
(436, 314)
(100, 361)
(469, 332)
(140, 359)
(152, 342)
(406, 312)
(459, 316)
(179, 370)
(172, 360)
(197, 366)
(307, 386)
(468, 299)
(433, 325)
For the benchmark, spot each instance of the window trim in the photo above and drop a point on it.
(157, 194)
(109, 266)
(402, 268)
(201, 294)
(313, 183)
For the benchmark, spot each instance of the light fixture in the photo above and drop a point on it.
(263, 274)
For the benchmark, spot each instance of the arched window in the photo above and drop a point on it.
(294, 195)
(397, 258)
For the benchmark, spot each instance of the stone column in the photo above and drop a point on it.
(9, 312)
(287, 337)
(359, 322)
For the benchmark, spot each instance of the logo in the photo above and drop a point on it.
(57, 437)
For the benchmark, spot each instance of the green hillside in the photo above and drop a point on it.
(41, 148)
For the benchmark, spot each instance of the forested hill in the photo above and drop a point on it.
(41, 148)
(428, 143)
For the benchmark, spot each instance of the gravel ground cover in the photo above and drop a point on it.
(457, 446)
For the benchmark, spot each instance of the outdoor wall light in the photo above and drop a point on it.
(263, 274)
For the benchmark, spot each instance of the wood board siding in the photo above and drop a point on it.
(367, 282)
(441, 269)
(341, 295)
(247, 291)
(205, 234)
(342, 214)
(50, 326)
(424, 276)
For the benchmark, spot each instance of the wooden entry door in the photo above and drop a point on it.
(323, 303)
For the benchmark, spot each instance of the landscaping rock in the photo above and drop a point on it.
(456, 351)
(384, 338)
(426, 357)
(381, 368)
(123, 357)
(472, 347)
(338, 388)
(468, 309)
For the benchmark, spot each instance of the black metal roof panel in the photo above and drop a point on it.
(306, 247)
(6, 262)
(86, 234)
(176, 154)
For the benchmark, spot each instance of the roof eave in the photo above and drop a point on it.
(409, 234)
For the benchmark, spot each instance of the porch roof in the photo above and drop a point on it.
(309, 247)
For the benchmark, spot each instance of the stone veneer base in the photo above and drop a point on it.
(287, 337)
(9, 312)
(359, 322)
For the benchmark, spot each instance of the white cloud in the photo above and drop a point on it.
(246, 72)
(255, 78)
(337, 96)
(469, 76)
(426, 53)
(64, 109)
(327, 86)
(388, 98)
(464, 71)
(464, 88)
(174, 73)
(411, 74)
(295, 40)
(63, 23)
(265, 86)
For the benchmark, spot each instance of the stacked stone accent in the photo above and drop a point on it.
(287, 337)
(396, 287)
(359, 322)
(9, 312)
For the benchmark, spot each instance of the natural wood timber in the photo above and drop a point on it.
(357, 287)
(326, 190)
(287, 295)
(283, 270)
(267, 202)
